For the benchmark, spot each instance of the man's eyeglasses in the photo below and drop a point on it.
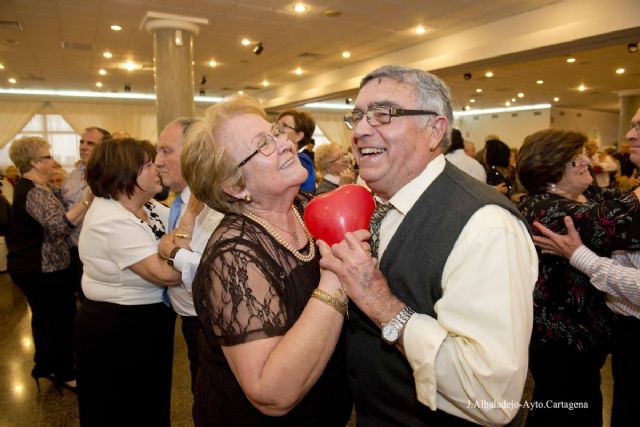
(45, 157)
(381, 115)
(635, 126)
(267, 145)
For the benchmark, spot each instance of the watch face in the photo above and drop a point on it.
(390, 333)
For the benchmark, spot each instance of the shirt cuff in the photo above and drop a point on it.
(584, 259)
(422, 338)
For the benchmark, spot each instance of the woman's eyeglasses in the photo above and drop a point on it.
(267, 145)
(580, 158)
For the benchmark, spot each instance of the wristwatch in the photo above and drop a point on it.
(172, 255)
(392, 331)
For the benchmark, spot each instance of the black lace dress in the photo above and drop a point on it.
(249, 287)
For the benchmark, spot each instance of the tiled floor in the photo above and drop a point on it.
(22, 406)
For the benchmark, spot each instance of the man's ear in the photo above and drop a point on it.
(438, 131)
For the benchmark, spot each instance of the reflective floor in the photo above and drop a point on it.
(20, 402)
(22, 405)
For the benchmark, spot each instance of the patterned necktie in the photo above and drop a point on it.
(174, 213)
(374, 226)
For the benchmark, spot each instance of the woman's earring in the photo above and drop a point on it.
(248, 198)
(552, 187)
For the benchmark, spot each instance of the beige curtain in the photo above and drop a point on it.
(138, 120)
(14, 115)
(333, 127)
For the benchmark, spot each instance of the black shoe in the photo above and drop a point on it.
(51, 377)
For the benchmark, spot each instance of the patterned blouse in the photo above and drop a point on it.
(567, 308)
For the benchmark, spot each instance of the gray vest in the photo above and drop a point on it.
(381, 378)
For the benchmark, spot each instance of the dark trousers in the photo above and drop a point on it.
(190, 331)
(76, 270)
(124, 363)
(565, 378)
(53, 310)
(626, 371)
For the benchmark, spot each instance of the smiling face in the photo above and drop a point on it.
(391, 155)
(169, 149)
(576, 177)
(265, 176)
(633, 136)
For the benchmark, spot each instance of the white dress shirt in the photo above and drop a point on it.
(618, 277)
(187, 261)
(472, 360)
(467, 164)
(74, 189)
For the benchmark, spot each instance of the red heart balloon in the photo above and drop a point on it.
(348, 208)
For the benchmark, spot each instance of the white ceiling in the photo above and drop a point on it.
(313, 41)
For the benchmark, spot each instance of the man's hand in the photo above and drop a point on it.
(166, 245)
(558, 244)
(502, 188)
(365, 285)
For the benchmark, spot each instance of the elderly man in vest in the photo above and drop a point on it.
(440, 327)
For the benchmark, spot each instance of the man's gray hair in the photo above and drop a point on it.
(431, 92)
(184, 122)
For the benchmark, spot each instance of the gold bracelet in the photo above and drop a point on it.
(330, 300)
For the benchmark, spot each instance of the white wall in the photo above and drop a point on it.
(599, 126)
(511, 127)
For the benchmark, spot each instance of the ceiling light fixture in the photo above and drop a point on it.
(520, 95)
(298, 71)
(467, 108)
(245, 42)
(346, 54)
(472, 100)
(1, 67)
(300, 8)
(240, 92)
(478, 90)
(102, 72)
(92, 94)
(539, 82)
(258, 48)
(265, 83)
(116, 27)
(130, 65)
(620, 71)
(632, 47)
(420, 30)
(107, 54)
(571, 60)
(556, 99)
(513, 100)
(508, 104)
(582, 87)
(99, 84)
(213, 63)
(488, 74)
(12, 80)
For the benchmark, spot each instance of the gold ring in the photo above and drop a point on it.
(184, 236)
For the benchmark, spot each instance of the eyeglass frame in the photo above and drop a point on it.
(349, 122)
(574, 161)
(270, 139)
(635, 126)
(49, 157)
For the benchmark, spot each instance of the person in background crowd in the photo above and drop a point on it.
(332, 162)
(470, 149)
(462, 160)
(39, 259)
(300, 127)
(601, 164)
(572, 324)
(271, 345)
(496, 155)
(444, 318)
(74, 190)
(124, 331)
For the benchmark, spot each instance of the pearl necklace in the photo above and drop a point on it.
(279, 239)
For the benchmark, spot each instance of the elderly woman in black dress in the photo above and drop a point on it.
(572, 324)
(273, 353)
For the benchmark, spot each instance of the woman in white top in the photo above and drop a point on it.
(124, 332)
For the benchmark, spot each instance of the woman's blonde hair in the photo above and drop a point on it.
(25, 150)
(206, 164)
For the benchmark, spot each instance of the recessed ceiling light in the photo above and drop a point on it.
(420, 30)
(130, 65)
(507, 103)
(472, 100)
(102, 72)
(116, 27)
(620, 71)
(513, 100)
(240, 92)
(467, 108)
(556, 99)
(488, 74)
(12, 80)
(346, 54)
(520, 95)
(539, 82)
(478, 90)
(265, 83)
(213, 63)
(582, 87)
(1, 67)
(298, 71)
(99, 84)
(245, 42)
(107, 54)
(300, 8)
(571, 60)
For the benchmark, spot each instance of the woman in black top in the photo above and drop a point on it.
(273, 347)
(38, 259)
